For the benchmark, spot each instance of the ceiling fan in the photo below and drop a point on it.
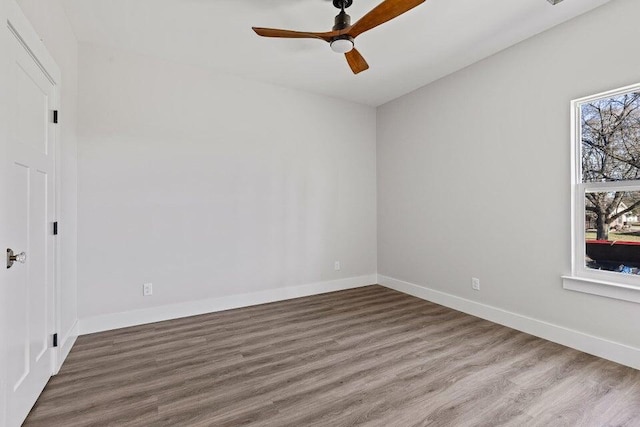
(342, 37)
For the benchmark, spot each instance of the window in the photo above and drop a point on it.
(606, 195)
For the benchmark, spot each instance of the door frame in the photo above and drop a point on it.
(4, 78)
(18, 26)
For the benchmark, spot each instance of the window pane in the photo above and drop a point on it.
(610, 135)
(612, 235)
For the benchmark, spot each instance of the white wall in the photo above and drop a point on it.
(210, 186)
(51, 23)
(474, 178)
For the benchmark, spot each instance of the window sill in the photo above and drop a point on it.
(602, 288)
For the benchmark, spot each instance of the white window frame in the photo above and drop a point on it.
(583, 279)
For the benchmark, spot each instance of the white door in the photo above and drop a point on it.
(28, 309)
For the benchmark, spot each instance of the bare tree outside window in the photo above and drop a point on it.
(610, 136)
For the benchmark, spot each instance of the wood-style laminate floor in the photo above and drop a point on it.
(368, 356)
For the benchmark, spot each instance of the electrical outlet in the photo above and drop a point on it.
(475, 283)
(336, 265)
(147, 289)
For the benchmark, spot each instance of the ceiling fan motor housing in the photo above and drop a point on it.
(342, 21)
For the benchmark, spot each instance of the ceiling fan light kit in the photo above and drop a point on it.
(342, 38)
(342, 45)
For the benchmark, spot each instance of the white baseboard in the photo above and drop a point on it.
(620, 353)
(65, 343)
(193, 308)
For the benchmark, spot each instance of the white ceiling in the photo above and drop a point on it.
(430, 41)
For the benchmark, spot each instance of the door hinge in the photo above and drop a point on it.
(55, 340)
(55, 228)
(55, 116)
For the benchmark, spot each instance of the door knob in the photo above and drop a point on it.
(11, 258)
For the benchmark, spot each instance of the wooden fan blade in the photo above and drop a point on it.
(356, 61)
(288, 34)
(382, 13)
